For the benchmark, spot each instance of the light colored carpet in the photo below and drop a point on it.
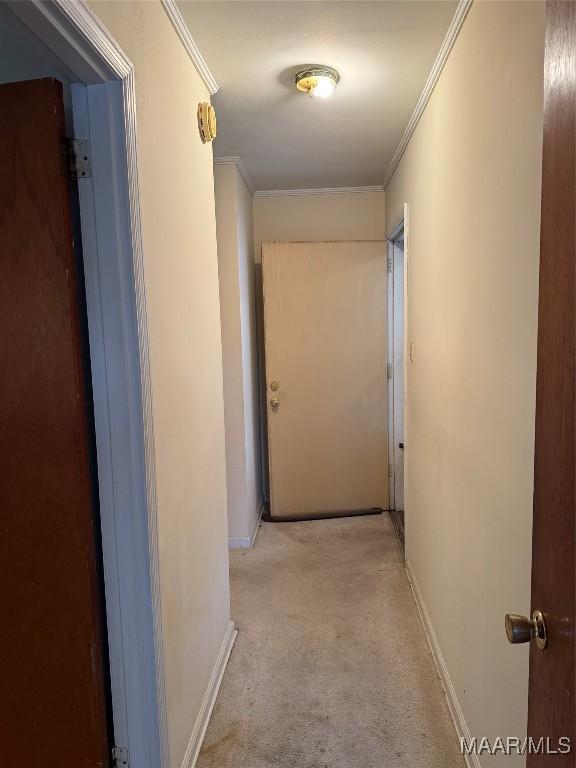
(331, 668)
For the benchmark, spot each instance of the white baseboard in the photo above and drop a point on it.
(239, 542)
(209, 700)
(458, 718)
(245, 542)
(257, 524)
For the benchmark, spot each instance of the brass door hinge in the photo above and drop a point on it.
(79, 158)
(120, 757)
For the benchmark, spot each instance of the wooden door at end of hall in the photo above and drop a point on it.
(325, 323)
(55, 695)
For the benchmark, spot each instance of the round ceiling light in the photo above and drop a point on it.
(317, 81)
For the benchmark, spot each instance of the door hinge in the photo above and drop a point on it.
(389, 264)
(389, 371)
(120, 757)
(389, 470)
(79, 158)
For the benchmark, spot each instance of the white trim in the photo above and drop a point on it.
(397, 229)
(201, 724)
(320, 191)
(189, 44)
(105, 109)
(406, 297)
(242, 170)
(258, 521)
(76, 37)
(246, 542)
(456, 713)
(453, 31)
(400, 228)
(390, 363)
(239, 542)
(146, 395)
(110, 298)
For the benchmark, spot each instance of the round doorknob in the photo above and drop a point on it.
(518, 628)
(521, 629)
(275, 402)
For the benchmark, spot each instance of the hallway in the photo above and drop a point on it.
(331, 668)
(311, 262)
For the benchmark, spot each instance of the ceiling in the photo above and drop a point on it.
(384, 51)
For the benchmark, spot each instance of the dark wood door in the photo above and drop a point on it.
(552, 711)
(53, 700)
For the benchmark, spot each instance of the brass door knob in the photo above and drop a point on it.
(275, 403)
(521, 629)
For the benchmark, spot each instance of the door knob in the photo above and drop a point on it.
(275, 403)
(521, 629)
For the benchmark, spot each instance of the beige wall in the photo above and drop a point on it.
(471, 177)
(348, 216)
(239, 354)
(181, 277)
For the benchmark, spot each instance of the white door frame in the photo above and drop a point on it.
(399, 229)
(104, 110)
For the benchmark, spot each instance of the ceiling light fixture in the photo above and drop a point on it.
(317, 81)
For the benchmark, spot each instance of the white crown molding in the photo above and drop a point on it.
(242, 170)
(451, 36)
(320, 191)
(190, 45)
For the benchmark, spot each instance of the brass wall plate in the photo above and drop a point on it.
(207, 122)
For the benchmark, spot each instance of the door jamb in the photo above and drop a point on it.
(104, 107)
(399, 228)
